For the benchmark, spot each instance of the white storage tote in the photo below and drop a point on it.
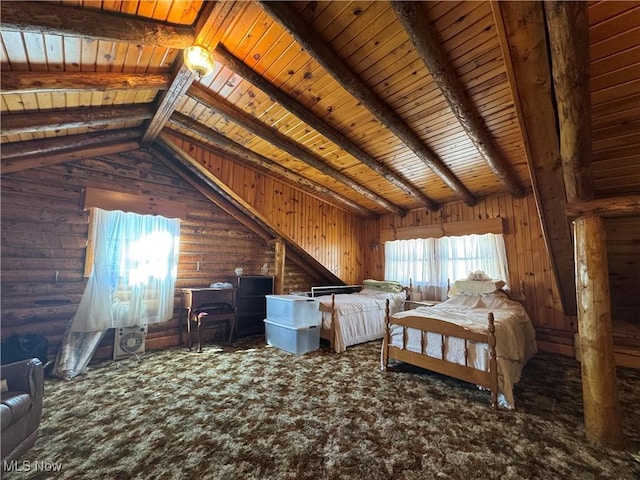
(296, 340)
(293, 310)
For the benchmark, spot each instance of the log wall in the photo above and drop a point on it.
(44, 233)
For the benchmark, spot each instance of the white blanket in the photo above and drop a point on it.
(359, 317)
(515, 336)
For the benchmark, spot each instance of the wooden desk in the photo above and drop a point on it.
(211, 301)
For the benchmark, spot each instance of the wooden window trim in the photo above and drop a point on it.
(126, 202)
(455, 229)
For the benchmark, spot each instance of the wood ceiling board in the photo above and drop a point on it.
(614, 106)
(267, 49)
(614, 92)
(614, 24)
(13, 51)
(238, 38)
(372, 28)
(621, 76)
(260, 30)
(324, 16)
(629, 114)
(615, 61)
(613, 187)
(615, 44)
(602, 11)
(220, 78)
(215, 20)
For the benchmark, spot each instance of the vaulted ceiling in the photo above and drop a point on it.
(376, 107)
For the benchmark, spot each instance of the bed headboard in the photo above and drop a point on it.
(331, 289)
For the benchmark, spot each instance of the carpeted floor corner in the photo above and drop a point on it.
(249, 411)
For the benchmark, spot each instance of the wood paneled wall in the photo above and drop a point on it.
(331, 235)
(623, 257)
(529, 262)
(44, 233)
(526, 254)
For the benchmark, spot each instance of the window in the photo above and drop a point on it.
(431, 262)
(133, 263)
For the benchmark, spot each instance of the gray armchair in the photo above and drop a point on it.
(21, 407)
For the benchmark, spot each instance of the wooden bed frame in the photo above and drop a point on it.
(487, 379)
(464, 372)
(329, 334)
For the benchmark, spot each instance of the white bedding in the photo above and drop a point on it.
(515, 336)
(360, 316)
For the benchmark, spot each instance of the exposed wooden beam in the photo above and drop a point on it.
(568, 27)
(280, 248)
(340, 71)
(27, 82)
(35, 161)
(210, 186)
(611, 207)
(56, 19)
(282, 142)
(522, 32)
(228, 145)
(211, 19)
(239, 68)
(167, 105)
(84, 117)
(415, 20)
(47, 146)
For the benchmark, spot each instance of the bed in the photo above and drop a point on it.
(357, 316)
(478, 335)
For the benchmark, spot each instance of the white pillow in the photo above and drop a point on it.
(475, 287)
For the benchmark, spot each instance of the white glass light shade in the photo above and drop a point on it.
(199, 60)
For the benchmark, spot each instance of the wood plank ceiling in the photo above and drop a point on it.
(333, 97)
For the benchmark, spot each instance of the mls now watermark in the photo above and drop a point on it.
(31, 466)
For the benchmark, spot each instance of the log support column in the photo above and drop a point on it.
(280, 253)
(602, 414)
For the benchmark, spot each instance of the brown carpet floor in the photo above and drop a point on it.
(254, 412)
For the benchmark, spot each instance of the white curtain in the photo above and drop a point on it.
(431, 262)
(132, 282)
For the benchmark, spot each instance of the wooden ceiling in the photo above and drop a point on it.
(376, 107)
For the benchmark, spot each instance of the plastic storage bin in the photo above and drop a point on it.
(293, 310)
(298, 340)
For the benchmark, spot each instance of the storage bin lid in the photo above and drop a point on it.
(291, 298)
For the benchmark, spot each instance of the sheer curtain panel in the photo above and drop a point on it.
(431, 263)
(132, 281)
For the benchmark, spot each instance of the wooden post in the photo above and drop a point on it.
(568, 30)
(278, 282)
(602, 415)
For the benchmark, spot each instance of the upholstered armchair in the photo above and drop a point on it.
(21, 406)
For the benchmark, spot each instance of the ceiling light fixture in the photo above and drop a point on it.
(199, 60)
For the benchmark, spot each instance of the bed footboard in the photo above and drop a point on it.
(329, 333)
(487, 379)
